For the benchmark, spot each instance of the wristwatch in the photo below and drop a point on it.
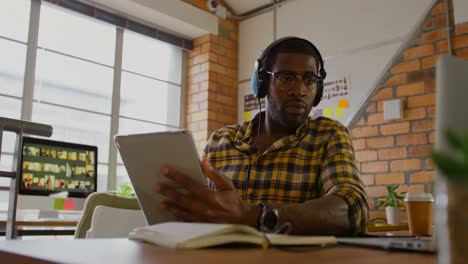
(268, 221)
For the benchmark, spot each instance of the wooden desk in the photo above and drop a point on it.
(126, 251)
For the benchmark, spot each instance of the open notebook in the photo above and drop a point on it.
(200, 235)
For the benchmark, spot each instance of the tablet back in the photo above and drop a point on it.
(143, 155)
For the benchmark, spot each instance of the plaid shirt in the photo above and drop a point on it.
(315, 162)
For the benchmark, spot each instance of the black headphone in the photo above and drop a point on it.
(259, 78)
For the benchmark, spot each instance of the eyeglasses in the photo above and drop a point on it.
(287, 79)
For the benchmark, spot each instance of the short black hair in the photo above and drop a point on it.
(292, 45)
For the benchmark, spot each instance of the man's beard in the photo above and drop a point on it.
(280, 116)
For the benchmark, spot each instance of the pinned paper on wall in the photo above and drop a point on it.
(335, 100)
(327, 112)
(339, 111)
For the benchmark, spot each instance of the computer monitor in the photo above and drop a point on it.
(49, 167)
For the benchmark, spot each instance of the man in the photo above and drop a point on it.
(283, 171)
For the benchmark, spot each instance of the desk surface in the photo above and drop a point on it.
(127, 251)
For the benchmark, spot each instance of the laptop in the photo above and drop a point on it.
(451, 80)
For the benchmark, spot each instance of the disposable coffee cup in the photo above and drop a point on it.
(419, 210)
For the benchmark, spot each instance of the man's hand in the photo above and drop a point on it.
(200, 204)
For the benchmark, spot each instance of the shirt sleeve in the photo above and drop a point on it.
(340, 176)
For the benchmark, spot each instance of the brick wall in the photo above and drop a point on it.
(212, 80)
(397, 152)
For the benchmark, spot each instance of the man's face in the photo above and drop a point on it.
(290, 105)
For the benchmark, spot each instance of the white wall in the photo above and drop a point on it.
(357, 38)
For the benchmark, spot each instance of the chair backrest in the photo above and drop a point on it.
(104, 199)
(109, 222)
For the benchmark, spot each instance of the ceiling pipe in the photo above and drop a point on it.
(259, 10)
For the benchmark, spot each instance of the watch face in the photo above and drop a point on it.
(270, 219)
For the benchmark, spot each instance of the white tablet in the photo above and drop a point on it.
(143, 155)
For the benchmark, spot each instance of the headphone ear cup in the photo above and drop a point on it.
(258, 84)
(319, 94)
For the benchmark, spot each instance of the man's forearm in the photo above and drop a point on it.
(323, 216)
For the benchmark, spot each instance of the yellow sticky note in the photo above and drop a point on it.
(339, 111)
(327, 112)
(246, 116)
(343, 103)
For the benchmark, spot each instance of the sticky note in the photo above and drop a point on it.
(58, 203)
(327, 112)
(339, 111)
(343, 103)
(69, 204)
(246, 116)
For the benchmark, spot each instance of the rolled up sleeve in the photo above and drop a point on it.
(340, 176)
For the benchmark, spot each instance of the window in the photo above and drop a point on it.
(14, 24)
(74, 80)
(152, 68)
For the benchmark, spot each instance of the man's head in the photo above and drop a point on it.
(291, 71)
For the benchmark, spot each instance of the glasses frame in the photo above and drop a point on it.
(284, 88)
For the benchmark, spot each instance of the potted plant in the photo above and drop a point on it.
(451, 198)
(392, 203)
(126, 189)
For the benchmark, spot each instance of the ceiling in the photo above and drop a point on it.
(242, 6)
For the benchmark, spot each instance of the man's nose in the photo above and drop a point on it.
(297, 88)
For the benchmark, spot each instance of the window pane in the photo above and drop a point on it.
(151, 57)
(122, 176)
(150, 100)
(14, 19)
(102, 178)
(10, 107)
(76, 127)
(6, 162)
(12, 65)
(72, 82)
(128, 126)
(69, 32)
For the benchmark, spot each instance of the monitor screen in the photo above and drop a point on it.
(51, 166)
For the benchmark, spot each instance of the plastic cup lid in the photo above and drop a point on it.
(419, 197)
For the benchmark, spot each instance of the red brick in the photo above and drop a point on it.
(205, 38)
(194, 52)
(408, 66)
(429, 62)
(395, 128)
(460, 42)
(461, 28)
(463, 53)
(395, 80)
(442, 46)
(412, 139)
(367, 131)
(380, 142)
(420, 150)
(438, 8)
(366, 155)
(411, 188)
(383, 93)
(422, 125)
(390, 178)
(371, 203)
(377, 214)
(418, 52)
(441, 20)
(434, 35)
(371, 108)
(227, 62)
(430, 86)
(429, 164)
(420, 76)
(432, 138)
(411, 89)
(406, 165)
(431, 111)
(415, 113)
(374, 119)
(360, 122)
(393, 153)
(376, 191)
(359, 144)
(367, 179)
(373, 167)
(423, 100)
(422, 177)
(429, 24)
(380, 106)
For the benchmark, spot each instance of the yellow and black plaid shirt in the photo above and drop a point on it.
(315, 162)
